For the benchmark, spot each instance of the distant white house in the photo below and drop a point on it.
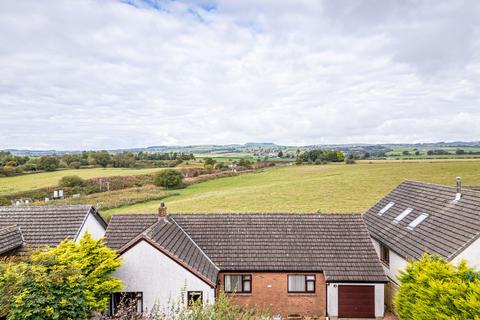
(417, 218)
(25, 227)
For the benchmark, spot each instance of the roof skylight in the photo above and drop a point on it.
(385, 209)
(417, 221)
(402, 215)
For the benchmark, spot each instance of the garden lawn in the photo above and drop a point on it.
(312, 188)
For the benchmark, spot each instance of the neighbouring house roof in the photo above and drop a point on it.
(10, 238)
(122, 228)
(124, 231)
(450, 227)
(47, 225)
(337, 244)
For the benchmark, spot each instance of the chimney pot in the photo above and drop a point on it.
(459, 184)
(162, 210)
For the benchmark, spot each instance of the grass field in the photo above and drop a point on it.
(46, 179)
(327, 188)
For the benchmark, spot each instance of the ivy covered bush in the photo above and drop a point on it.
(70, 281)
(431, 288)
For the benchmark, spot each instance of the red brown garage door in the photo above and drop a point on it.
(356, 301)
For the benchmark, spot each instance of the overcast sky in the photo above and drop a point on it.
(112, 74)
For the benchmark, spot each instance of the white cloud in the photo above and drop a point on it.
(107, 74)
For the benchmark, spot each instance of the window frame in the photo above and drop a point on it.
(113, 307)
(198, 292)
(242, 282)
(417, 221)
(385, 255)
(306, 283)
(386, 208)
(402, 215)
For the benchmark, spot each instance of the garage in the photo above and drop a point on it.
(356, 301)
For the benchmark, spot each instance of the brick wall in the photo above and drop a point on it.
(269, 290)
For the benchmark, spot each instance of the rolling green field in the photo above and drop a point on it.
(46, 179)
(324, 188)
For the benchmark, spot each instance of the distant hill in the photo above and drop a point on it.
(251, 147)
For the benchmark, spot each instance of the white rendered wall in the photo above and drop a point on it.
(471, 254)
(332, 298)
(397, 263)
(161, 279)
(93, 227)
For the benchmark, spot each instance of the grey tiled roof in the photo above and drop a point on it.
(10, 238)
(337, 244)
(46, 225)
(449, 228)
(124, 227)
(169, 235)
(165, 234)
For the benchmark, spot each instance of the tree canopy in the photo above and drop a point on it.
(168, 178)
(69, 281)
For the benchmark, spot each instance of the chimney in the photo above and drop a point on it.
(459, 189)
(162, 210)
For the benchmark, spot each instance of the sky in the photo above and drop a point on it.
(108, 74)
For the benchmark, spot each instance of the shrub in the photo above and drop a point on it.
(431, 288)
(8, 171)
(350, 161)
(67, 282)
(71, 181)
(75, 165)
(168, 179)
(208, 168)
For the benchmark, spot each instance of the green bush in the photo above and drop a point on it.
(434, 289)
(168, 179)
(48, 163)
(74, 165)
(67, 282)
(71, 181)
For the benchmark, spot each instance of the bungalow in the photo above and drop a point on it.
(294, 264)
(26, 227)
(417, 218)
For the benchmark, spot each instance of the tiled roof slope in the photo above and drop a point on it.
(337, 244)
(10, 238)
(46, 225)
(169, 235)
(449, 228)
(124, 229)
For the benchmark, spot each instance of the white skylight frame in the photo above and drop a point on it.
(417, 221)
(386, 208)
(402, 215)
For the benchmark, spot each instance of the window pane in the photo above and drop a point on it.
(246, 286)
(310, 286)
(194, 297)
(310, 277)
(296, 283)
(232, 283)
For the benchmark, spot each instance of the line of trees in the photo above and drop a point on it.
(11, 165)
(319, 156)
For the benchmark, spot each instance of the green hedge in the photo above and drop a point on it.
(434, 289)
